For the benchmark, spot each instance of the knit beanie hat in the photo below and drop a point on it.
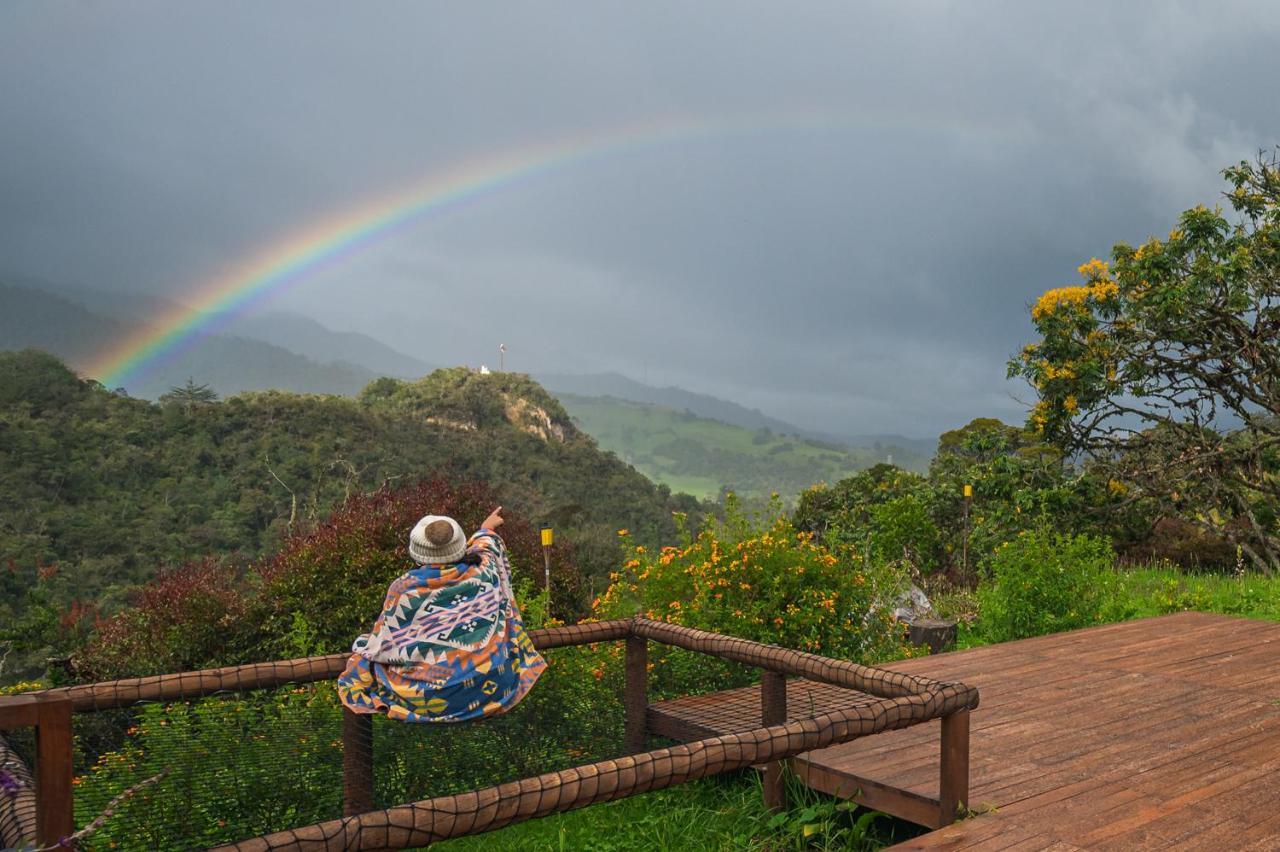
(437, 540)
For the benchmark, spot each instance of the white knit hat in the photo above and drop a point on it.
(436, 549)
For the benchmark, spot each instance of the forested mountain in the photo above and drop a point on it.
(32, 318)
(107, 488)
(298, 334)
(285, 351)
(701, 456)
(309, 338)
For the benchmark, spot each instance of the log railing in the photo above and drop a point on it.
(903, 700)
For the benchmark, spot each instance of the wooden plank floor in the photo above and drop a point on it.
(1155, 734)
(1162, 733)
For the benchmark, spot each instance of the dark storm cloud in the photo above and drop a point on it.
(870, 275)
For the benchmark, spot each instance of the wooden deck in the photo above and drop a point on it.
(1155, 734)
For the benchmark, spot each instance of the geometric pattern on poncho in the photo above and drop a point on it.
(449, 645)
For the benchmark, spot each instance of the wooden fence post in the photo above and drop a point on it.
(55, 810)
(357, 763)
(953, 787)
(773, 711)
(636, 693)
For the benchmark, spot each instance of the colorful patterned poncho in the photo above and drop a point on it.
(449, 645)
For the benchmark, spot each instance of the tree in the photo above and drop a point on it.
(1164, 366)
(190, 394)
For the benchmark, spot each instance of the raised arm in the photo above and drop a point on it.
(494, 520)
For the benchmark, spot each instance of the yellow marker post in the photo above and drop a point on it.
(964, 547)
(548, 537)
(968, 491)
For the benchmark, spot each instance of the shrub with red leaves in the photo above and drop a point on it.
(186, 617)
(340, 571)
(330, 579)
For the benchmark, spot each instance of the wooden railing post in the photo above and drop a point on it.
(357, 763)
(636, 693)
(773, 711)
(55, 811)
(953, 787)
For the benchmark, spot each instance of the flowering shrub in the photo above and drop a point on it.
(760, 580)
(1043, 582)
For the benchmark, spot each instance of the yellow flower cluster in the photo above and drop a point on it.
(1094, 270)
(1040, 415)
(1051, 372)
(1101, 287)
(1056, 298)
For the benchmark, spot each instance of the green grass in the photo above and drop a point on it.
(1148, 591)
(1143, 592)
(698, 456)
(719, 813)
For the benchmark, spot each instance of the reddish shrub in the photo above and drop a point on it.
(1184, 544)
(182, 618)
(333, 576)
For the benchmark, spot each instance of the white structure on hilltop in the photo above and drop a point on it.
(484, 371)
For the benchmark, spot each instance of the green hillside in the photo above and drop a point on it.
(101, 490)
(699, 456)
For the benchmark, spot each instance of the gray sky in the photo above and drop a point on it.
(868, 274)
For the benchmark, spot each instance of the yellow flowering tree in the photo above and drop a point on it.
(759, 579)
(1163, 366)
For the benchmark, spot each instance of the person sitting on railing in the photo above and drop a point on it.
(450, 644)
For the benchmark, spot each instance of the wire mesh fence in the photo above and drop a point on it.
(267, 752)
(229, 765)
(243, 763)
(17, 786)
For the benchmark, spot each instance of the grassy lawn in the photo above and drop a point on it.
(1142, 592)
(716, 814)
(1145, 591)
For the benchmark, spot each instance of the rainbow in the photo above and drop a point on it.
(252, 281)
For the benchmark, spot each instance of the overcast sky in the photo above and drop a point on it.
(868, 271)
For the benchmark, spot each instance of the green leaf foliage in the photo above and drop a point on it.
(1044, 581)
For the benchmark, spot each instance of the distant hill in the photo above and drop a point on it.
(703, 405)
(699, 455)
(290, 352)
(31, 318)
(298, 334)
(909, 453)
(307, 337)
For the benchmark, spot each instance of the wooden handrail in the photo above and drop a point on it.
(107, 695)
(879, 682)
(904, 700)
